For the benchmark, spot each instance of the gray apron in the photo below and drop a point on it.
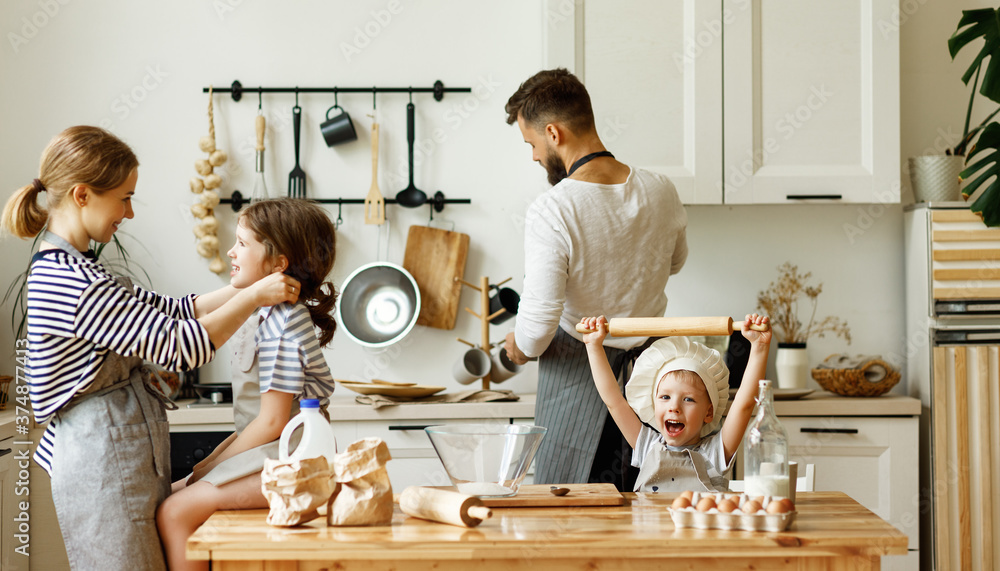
(686, 468)
(111, 466)
(246, 407)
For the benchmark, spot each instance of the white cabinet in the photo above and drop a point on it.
(742, 101)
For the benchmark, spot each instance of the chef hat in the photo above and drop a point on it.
(678, 354)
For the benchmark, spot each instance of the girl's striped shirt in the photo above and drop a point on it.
(78, 312)
(289, 356)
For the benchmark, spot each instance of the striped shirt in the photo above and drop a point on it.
(77, 313)
(289, 357)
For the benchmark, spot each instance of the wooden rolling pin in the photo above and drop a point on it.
(667, 326)
(443, 506)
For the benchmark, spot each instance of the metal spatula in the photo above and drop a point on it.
(374, 203)
(297, 178)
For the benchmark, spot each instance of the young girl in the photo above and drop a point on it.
(106, 447)
(680, 388)
(277, 361)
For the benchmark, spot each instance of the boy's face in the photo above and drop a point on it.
(681, 407)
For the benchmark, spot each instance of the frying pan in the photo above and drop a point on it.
(667, 326)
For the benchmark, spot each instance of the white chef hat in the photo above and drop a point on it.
(678, 354)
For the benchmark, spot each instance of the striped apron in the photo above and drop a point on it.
(570, 407)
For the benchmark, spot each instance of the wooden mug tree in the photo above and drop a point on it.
(484, 317)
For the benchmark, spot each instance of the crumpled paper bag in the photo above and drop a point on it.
(296, 489)
(363, 493)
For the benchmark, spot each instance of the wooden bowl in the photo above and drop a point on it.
(854, 382)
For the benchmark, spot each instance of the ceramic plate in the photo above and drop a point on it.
(782, 394)
(415, 391)
(790, 394)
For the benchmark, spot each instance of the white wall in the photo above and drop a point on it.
(138, 68)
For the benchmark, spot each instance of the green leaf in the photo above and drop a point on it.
(987, 206)
(983, 23)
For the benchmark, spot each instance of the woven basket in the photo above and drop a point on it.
(854, 383)
(5, 381)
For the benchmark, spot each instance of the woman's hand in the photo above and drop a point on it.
(276, 288)
(599, 328)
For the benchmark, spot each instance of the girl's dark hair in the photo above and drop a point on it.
(552, 95)
(79, 155)
(302, 232)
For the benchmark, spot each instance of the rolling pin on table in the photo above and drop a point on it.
(443, 506)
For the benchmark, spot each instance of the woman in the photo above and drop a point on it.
(107, 444)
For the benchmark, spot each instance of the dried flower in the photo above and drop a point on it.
(781, 303)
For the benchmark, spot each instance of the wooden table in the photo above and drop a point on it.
(831, 532)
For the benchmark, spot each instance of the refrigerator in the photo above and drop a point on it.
(952, 351)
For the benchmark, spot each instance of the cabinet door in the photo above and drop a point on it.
(8, 473)
(873, 460)
(654, 74)
(811, 101)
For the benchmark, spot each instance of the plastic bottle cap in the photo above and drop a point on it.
(309, 403)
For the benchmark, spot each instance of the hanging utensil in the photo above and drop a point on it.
(411, 196)
(374, 203)
(259, 185)
(297, 178)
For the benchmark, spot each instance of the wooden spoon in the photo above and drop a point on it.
(374, 203)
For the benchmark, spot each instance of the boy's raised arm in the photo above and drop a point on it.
(607, 384)
(738, 416)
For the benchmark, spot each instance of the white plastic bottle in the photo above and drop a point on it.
(317, 435)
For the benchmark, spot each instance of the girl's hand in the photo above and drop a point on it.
(599, 325)
(756, 336)
(276, 288)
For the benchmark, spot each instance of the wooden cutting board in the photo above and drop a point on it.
(534, 496)
(436, 259)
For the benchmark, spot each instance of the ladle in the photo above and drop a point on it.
(411, 196)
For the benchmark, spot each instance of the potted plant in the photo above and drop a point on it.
(780, 301)
(983, 140)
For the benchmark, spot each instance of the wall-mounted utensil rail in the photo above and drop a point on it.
(436, 202)
(237, 90)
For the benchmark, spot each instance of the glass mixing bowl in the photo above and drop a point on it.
(486, 460)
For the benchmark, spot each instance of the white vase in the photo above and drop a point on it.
(792, 364)
(934, 178)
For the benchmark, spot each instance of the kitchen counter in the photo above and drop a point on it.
(7, 422)
(343, 407)
(831, 531)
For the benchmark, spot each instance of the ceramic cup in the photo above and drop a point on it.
(474, 364)
(503, 298)
(503, 368)
(337, 129)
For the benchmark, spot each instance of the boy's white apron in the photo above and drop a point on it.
(688, 471)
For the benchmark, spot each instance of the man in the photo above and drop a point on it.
(602, 241)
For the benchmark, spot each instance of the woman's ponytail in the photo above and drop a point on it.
(22, 215)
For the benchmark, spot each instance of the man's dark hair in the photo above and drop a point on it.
(552, 95)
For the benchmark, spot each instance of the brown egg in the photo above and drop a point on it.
(777, 507)
(681, 503)
(726, 506)
(751, 506)
(759, 500)
(687, 494)
(788, 504)
(705, 504)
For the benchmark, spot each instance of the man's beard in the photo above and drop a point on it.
(554, 167)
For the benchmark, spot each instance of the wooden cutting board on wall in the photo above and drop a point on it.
(436, 259)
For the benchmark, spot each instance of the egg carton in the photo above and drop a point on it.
(760, 520)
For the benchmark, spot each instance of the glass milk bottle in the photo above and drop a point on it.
(766, 450)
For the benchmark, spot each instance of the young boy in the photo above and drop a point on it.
(681, 389)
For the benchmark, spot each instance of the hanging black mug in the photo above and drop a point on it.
(339, 128)
(505, 298)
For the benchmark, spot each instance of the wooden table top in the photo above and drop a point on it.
(828, 524)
